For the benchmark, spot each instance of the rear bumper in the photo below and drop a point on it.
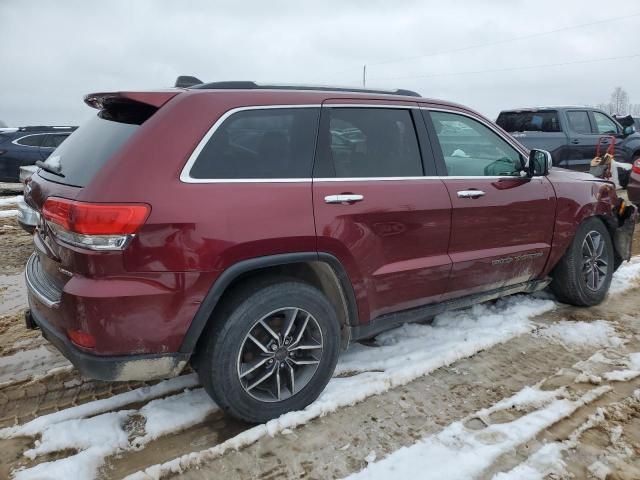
(117, 368)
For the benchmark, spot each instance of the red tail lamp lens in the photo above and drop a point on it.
(95, 218)
(636, 166)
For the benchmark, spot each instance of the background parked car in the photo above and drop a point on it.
(26, 145)
(28, 218)
(571, 134)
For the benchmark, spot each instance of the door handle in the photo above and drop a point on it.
(471, 194)
(575, 141)
(343, 198)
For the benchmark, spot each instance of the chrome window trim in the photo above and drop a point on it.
(15, 141)
(185, 174)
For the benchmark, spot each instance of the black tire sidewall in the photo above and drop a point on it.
(586, 296)
(218, 370)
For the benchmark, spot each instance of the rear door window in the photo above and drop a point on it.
(472, 149)
(260, 144)
(545, 121)
(579, 121)
(370, 142)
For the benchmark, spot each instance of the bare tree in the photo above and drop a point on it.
(619, 101)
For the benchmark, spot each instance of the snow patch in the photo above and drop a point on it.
(40, 424)
(599, 333)
(174, 413)
(4, 201)
(8, 213)
(626, 277)
(460, 453)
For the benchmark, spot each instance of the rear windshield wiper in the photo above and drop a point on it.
(49, 168)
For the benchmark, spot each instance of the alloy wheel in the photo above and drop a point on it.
(280, 354)
(594, 261)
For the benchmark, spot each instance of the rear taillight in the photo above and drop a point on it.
(96, 226)
(635, 168)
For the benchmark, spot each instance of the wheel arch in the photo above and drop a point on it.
(322, 270)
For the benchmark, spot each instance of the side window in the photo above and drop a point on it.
(604, 124)
(371, 142)
(260, 143)
(579, 121)
(30, 140)
(470, 148)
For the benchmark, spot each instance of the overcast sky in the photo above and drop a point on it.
(53, 53)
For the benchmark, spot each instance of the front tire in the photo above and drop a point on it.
(583, 275)
(272, 349)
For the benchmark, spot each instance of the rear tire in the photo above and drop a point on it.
(583, 275)
(252, 364)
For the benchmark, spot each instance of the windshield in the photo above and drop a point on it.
(546, 121)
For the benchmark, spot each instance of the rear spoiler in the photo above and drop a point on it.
(154, 99)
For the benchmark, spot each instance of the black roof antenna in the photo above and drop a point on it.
(186, 81)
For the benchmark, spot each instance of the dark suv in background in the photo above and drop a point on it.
(26, 145)
(571, 134)
(255, 231)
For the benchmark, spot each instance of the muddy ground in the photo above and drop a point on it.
(40, 381)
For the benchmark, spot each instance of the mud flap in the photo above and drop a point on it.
(623, 234)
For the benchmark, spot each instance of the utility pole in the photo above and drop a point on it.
(364, 76)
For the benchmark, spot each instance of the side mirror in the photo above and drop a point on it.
(539, 164)
(628, 130)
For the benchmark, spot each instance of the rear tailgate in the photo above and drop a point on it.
(66, 173)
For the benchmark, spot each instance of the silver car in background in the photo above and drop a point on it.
(28, 218)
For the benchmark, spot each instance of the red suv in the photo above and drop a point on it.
(254, 231)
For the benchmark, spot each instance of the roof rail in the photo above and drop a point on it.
(38, 128)
(248, 85)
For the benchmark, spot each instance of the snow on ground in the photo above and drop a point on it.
(547, 460)
(8, 213)
(626, 276)
(599, 333)
(106, 434)
(5, 201)
(458, 452)
(40, 424)
(451, 336)
(166, 415)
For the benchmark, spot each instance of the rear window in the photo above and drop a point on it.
(546, 121)
(80, 156)
(260, 143)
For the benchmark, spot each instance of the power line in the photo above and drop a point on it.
(509, 69)
(507, 40)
